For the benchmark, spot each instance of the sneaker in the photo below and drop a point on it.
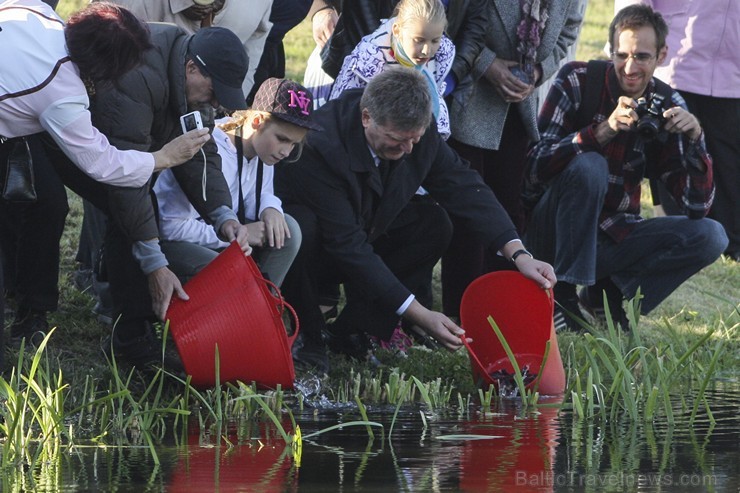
(143, 352)
(591, 301)
(566, 315)
(399, 341)
(30, 325)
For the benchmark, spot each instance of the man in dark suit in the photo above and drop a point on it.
(353, 194)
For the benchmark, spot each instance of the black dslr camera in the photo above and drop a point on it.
(650, 116)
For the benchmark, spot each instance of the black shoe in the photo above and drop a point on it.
(310, 355)
(104, 314)
(591, 301)
(567, 315)
(352, 344)
(734, 255)
(144, 352)
(422, 338)
(29, 324)
(82, 278)
(331, 312)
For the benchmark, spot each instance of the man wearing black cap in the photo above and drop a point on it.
(180, 74)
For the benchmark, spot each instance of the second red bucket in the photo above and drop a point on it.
(233, 307)
(523, 312)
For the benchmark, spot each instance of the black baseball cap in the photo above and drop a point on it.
(286, 100)
(219, 53)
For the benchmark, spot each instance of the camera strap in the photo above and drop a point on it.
(591, 97)
(240, 213)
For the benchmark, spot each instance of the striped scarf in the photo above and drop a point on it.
(403, 59)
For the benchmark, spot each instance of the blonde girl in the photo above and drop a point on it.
(413, 38)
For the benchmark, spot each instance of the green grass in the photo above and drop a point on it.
(594, 32)
(693, 335)
(690, 311)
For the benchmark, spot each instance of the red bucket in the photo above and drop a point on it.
(233, 307)
(523, 312)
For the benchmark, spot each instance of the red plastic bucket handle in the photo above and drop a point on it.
(476, 361)
(281, 306)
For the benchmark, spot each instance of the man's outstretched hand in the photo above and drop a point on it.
(162, 284)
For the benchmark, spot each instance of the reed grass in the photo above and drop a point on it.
(626, 378)
(612, 376)
(528, 397)
(32, 410)
(50, 401)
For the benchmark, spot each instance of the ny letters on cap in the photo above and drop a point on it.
(286, 100)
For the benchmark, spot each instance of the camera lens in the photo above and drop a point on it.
(648, 127)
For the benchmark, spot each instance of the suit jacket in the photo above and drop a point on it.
(336, 177)
(477, 112)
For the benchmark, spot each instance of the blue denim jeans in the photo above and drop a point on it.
(657, 256)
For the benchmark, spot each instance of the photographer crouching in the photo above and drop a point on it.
(599, 140)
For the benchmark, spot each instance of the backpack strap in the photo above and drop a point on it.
(591, 92)
(240, 212)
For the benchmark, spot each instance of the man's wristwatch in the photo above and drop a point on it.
(516, 254)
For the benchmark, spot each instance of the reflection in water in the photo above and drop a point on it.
(655, 456)
(252, 467)
(546, 451)
(522, 459)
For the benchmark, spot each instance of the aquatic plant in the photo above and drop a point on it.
(529, 397)
(32, 411)
(625, 377)
(612, 376)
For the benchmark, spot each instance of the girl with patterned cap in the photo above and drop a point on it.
(249, 142)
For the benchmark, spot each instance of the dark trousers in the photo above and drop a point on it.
(286, 14)
(503, 171)
(92, 233)
(656, 257)
(410, 248)
(30, 235)
(2, 316)
(129, 286)
(720, 119)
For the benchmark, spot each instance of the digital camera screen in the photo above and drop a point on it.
(190, 123)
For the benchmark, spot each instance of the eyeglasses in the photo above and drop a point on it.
(639, 58)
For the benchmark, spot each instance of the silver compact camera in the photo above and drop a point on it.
(191, 121)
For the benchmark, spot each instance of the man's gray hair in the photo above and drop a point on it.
(399, 97)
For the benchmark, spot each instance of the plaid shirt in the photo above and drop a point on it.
(676, 161)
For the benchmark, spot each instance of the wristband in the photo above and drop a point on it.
(319, 10)
(521, 251)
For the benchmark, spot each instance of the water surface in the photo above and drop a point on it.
(468, 450)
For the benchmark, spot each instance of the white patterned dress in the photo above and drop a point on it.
(373, 53)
